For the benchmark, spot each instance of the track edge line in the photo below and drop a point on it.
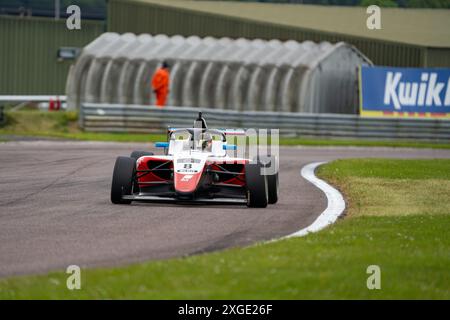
(335, 206)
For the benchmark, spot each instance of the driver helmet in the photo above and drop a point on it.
(206, 141)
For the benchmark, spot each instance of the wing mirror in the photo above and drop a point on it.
(229, 147)
(161, 144)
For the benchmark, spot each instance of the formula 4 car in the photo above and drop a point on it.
(195, 168)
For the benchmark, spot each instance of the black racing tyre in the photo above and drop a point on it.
(256, 186)
(122, 179)
(270, 162)
(272, 188)
(272, 179)
(137, 154)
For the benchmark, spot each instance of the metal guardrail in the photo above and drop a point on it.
(137, 118)
(29, 98)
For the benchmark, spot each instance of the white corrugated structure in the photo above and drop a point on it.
(241, 74)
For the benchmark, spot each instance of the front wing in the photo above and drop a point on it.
(217, 200)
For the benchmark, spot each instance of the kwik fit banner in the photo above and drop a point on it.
(404, 92)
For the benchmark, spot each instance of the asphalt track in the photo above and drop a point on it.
(55, 209)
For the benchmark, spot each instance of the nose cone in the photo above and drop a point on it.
(186, 182)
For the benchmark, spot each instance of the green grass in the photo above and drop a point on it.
(64, 125)
(361, 143)
(386, 169)
(392, 187)
(412, 251)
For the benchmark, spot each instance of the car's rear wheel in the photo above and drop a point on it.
(137, 154)
(270, 164)
(122, 180)
(256, 186)
(272, 179)
(272, 184)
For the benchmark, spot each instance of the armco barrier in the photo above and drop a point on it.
(137, 118)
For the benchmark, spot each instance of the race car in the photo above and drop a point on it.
(195, 167)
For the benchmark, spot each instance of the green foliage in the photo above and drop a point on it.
(381, 3)
(426, 3)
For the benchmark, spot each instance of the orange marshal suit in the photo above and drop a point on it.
(160, 84)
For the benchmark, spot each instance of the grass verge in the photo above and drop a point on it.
(64, 125)
(384, 187)
(411, 250)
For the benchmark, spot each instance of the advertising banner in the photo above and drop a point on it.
(404, 92)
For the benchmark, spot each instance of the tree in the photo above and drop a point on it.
(380, 3)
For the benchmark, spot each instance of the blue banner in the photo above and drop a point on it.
(416, 92)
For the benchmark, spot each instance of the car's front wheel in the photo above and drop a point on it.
(122, 179)
(137, 154)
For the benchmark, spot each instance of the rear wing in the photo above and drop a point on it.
(233, 132)
(226, 131)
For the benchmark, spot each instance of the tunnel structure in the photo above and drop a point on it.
(229, 74)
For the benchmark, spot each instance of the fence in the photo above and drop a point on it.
(137, 118)
(28, 53)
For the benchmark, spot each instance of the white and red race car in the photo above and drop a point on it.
(195, 168)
